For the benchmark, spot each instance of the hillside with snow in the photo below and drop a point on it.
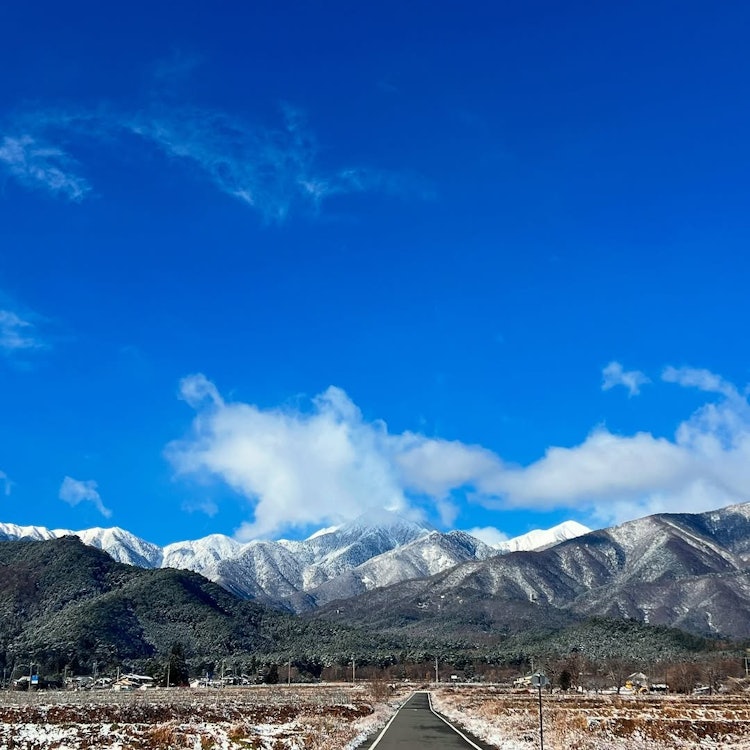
(376, 549)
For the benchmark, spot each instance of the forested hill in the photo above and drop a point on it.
(63, 603)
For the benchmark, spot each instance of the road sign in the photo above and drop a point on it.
(35, 679)
(539, 680)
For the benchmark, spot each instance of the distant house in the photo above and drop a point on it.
(33, 683)
(522, 682)
(22, 683)
(133, 682)
(637, 682)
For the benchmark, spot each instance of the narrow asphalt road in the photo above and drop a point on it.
(415, 727)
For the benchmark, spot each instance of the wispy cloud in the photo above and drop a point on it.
(273, 169)
(209, 507)
(17, 334)
(36, 164)
(5, 484)
(75, 491)
(614, 374)
(703, 380)
(325, 463)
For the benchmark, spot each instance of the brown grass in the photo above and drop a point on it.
(309, 717)
(589, 722)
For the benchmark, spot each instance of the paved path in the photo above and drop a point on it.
(415, 727)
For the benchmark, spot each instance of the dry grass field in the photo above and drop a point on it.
(260, 718)
(510, 721)
(325, 717)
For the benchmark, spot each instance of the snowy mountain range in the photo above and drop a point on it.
(377, 549)
(690, 571)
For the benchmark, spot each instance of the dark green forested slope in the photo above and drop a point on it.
(63, 603)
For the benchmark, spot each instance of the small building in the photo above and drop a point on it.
(637, 682)
(133, 682)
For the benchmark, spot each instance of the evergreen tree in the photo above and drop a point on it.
(271, 674)
(176, 670)
(565, 680)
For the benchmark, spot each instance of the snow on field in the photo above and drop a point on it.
(510, 721)
(261, 718)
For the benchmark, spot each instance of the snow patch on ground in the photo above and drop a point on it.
(317, 717)
(510, 721)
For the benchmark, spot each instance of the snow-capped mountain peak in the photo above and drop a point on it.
(375, 549)
(122, 546)
(379, 519)
(12, 531)
(323, 532)
(542, 538)
(199, 554)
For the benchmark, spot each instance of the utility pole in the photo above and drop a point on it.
(169, 668)
(437, 674)
(289, 671)
(353, 670)
(539, 680)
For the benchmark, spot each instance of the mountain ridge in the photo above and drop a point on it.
(690, 571)
(376, 548)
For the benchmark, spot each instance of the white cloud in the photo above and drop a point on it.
(488, 534)
(198, 390)
(273, 169)
(435, 467)
(5, 484)
(298, 468)
(703, 380)
(75, 491)
(705, 465)
(325, 464)
(602, 467)
(36, 164)
(16, 333)
(209, 507)
(614, 374)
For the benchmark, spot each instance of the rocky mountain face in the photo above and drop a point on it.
(377, 549)
(682, 570)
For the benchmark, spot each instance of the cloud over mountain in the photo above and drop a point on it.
(75, 491)
(325, 463)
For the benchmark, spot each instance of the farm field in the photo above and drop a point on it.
(510, 721)
(261, 718)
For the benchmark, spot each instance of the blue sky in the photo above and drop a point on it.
(264, 265)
